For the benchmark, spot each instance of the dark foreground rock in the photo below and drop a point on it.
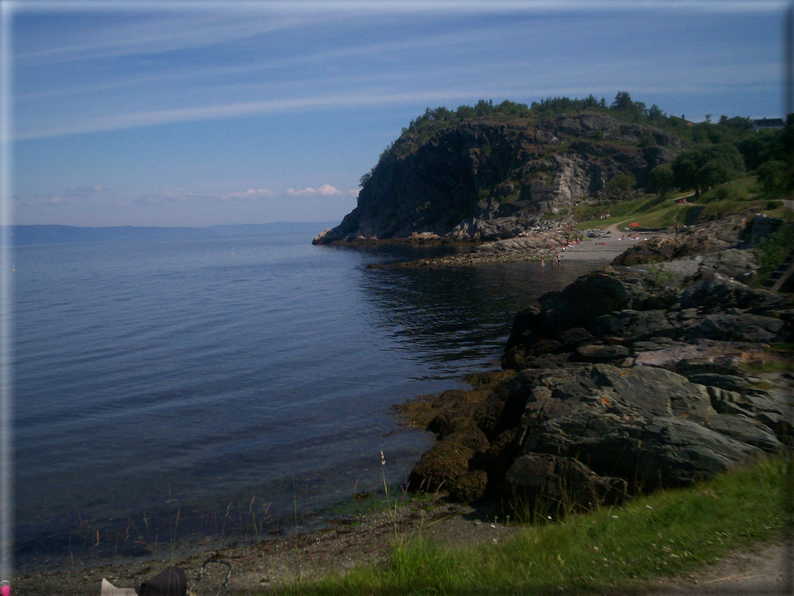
(616, 385)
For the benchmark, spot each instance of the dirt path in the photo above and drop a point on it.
(765, 571)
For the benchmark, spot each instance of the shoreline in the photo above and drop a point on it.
(603, 248)
(347, 542)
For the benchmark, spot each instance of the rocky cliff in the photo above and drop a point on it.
(495, 176)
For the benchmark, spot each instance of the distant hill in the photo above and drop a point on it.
(57, 234)
(495, 171)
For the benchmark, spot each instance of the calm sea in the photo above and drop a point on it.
(190, 391)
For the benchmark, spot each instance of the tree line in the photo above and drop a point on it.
(719, 151)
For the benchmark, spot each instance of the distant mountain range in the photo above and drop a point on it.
(57, 234)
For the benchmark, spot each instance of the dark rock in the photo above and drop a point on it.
(732, 263)
(573, 337)
(547, 483)
(468, 487)
(446, 464)
(586, 299)
(729, 382)
(678, 452)
(740, 327)
(602, 353)
(717, 293)
(760, 228)
(622, 384)
(550, 361)
(699, 366)
(655, 250)
(636, 325)
(745, 430)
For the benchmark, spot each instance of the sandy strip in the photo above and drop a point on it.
(602, 250)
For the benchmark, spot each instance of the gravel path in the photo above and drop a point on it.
(764, 571)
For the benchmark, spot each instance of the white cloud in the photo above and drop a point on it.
(251, 193)
(326, 190)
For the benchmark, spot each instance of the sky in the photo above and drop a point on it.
(170, 113)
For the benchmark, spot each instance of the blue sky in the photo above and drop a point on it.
(193, 114)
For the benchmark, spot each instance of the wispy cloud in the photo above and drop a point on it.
(85, 191)
(251, 193)
(145, 32)
(326, 190)
(229, 110)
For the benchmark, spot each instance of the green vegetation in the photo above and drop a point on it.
(773, 250)
(610, 550)
(705, 167)
(661, 179)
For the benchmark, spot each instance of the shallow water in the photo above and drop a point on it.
(198, 390)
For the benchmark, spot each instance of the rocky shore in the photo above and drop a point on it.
(625, 381)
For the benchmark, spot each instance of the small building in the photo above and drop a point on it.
(768, 124)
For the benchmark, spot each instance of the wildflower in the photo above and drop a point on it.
(382, 458)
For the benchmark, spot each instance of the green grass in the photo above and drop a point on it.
(644, 207)
(652, 211)
(612, 550)
(772, 250)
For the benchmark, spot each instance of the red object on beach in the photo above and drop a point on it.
(5, 590)
(634, 225)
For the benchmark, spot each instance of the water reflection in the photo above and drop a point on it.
(456, 320)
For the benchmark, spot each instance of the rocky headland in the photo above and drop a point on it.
(626, 381)
(495, 177)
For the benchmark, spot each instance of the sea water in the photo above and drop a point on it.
(195, 391)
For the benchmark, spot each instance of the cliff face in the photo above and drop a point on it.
(492, 177)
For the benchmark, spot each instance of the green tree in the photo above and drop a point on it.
(655, 113)
(619, 188)
(624, 104)
(703, 168)
(773, 176)
(761, 147)
(661, 179)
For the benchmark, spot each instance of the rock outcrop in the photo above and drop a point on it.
(491, 178)
(615, 385)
